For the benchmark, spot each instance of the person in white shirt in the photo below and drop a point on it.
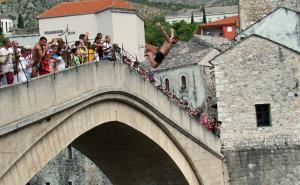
(24, 65)
(59, 62)
(7, 69)
(107, 48)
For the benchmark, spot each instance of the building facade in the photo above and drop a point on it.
(212, 14)
(257, 88)
(226, 28)
(186, 71)
(114, 18)
(6, 25)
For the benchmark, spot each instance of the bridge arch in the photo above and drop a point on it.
(110, 108)
(28, 122)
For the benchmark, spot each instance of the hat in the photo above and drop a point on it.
(27, 47)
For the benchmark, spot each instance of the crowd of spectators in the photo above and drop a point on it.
(19, 64)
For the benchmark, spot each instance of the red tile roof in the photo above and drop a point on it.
(226, 21)
(83, 7)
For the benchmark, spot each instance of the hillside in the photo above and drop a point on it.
(29, 9)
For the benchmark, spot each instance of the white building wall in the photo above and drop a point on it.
(128, 29)
(6, 25)
(78, 24)
(141, 38)
(124, 28)
(209, 18)
(104, 23)
(195, 91)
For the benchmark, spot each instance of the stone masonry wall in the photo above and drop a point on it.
(79, 170)
(264, 166)
(258, 71)
(253, 10)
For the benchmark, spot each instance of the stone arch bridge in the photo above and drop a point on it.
(114, 117)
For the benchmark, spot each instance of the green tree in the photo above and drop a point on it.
(204, 15)
(1, 39)
(21, 21)
(192, 18)
(152, 32)
(184, 30)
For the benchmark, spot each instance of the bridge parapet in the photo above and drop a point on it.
(47, 95)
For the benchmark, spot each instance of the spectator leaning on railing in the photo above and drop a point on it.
(60, 55)
(7, 68)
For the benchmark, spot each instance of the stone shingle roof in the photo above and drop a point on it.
(193, 52)
(185, 54)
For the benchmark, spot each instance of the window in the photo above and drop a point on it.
(70, 183)
(167, 84)
(263, 115)
(229, 29)
(47, 183)
(183, 82)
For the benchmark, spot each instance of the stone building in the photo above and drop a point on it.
(281, 26)
(257, 88)
(250, 11)
(70, 167)
(186, 69)
(6, 25)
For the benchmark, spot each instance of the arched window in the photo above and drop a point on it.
(183, 82)
(167, 84)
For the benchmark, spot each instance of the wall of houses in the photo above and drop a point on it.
(195, 85)
(78, 24)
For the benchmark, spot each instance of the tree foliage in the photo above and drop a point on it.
(165, 5)
(1, 39)
(192, 18)
(204, 15)
(21, 23)
(184, 31)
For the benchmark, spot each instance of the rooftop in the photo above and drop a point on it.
(84, 7)
(194, 51)
(281, 26)
(184, 54)
(221, 22)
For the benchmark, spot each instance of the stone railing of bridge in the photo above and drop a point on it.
(48, 95)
